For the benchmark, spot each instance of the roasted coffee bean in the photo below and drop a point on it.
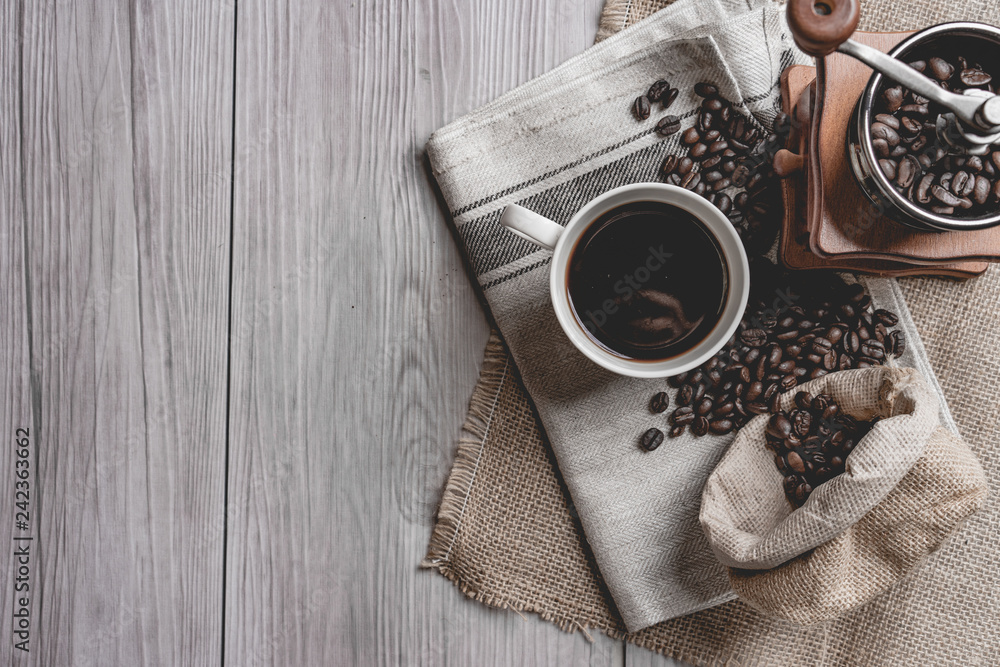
(974, 77)
(711, 163)
(893, 98)
(898, 343)
(882, 131)
(684, 165)
(908, 170)
(657, 90)
(669, 165)
(640, 108)
(881, 147)
(915, 109)
(945, 197)
(725, 204)
(721, 426)
(668, 98)
(821, 345)
(683, 415)
(792, 458)
(704, 89)
(888, 119)
(685, 394)
(754, 337)
(886, 317)
(690, 136)
(700, 426)
(698, 150)
(801, 422)
(704, 406)
(705, 122)
(873, 349)
(888, 168)
(660, 402)
(941, 69)
(691, 180)
(962, 183)
(668, 125)
(981, 190)
(923, 193)
(780, 426)
(699, 391)
(722, 184)
(651, 439)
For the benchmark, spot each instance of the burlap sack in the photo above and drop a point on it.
(908, 484)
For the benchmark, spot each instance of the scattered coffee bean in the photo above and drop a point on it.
(669, 165)
(658, 90)
(668, 99)
(640, 108)
(651, 439)
(660, 402)
(704, 89)
(668, 125)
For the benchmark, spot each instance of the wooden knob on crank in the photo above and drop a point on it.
(820, 26)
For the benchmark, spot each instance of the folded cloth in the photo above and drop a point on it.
(551, 145)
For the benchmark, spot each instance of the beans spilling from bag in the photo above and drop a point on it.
(795, 329)
(727, 158)
(911, 156)
(811, 442)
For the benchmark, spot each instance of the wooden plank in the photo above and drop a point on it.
(123, 112)
(640, 657)
(17, 473)
(357, 334)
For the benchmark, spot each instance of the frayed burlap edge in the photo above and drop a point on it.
(495, 372)
(475, 430)
(619, 14)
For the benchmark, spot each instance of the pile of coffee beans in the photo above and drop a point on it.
(811, 442)
(793, 331)
(788, 335)
(910, 154)
(727, 160)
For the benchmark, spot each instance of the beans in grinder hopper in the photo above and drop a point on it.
(912, 157)
(812, 442)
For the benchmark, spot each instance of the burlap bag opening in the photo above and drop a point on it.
(907, 485)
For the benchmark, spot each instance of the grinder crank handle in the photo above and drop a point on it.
(821, 27)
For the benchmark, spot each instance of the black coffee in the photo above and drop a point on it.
(648, 281)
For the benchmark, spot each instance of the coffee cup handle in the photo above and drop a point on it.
(530, 226)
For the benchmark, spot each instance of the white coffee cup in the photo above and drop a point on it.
(562, 240)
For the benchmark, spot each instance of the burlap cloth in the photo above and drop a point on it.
(507, 534)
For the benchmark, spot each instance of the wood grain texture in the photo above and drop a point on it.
(356, 332)
(123, 115)
(15, 387)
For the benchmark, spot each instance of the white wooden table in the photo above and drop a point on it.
(238, 329)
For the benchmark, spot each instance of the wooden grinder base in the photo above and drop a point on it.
(829, 223)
